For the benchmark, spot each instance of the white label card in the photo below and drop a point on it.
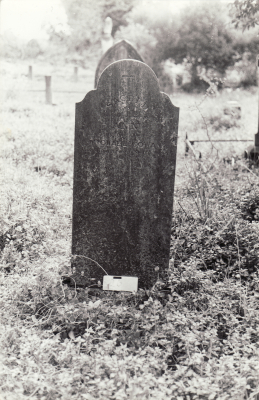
(120, 283)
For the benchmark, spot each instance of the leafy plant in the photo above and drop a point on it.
(245, 13)
(194, 336)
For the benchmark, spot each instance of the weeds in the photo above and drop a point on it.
(194, 336)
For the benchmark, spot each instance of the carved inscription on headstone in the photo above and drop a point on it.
(121, 50)
(125, 155)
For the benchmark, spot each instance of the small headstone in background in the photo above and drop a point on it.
(121, 50)
(107, 39)
(233, 108)
(125, 156)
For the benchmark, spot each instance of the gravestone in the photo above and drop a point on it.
(233, 108)
(124, 169)
(121, 50)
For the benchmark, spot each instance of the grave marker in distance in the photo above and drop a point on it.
(124, 169)
(121, 50)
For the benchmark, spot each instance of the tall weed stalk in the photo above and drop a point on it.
(202, 182)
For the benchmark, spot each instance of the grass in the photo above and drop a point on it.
(195, 337)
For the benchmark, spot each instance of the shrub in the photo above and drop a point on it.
(249, 205)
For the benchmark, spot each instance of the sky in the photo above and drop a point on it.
(26, 18)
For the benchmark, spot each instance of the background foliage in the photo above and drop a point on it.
(245, 13)
(200, 37)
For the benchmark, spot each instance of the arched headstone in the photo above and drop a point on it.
(125, 156)
(121, 50)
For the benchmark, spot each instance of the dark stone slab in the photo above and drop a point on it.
(121, 50)
(124, 169)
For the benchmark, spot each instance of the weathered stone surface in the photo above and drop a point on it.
(121, 50)
(125, 155)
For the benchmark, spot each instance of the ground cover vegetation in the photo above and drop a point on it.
(194, 336)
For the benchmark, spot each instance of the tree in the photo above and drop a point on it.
(204, 40)
(245, 13)
(199, 36)
(86, 20)
(118, 11)
(147, 29)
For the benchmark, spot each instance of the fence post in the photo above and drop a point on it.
(30, 72)
(186, 145)
(48, 90)
(75, 74)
